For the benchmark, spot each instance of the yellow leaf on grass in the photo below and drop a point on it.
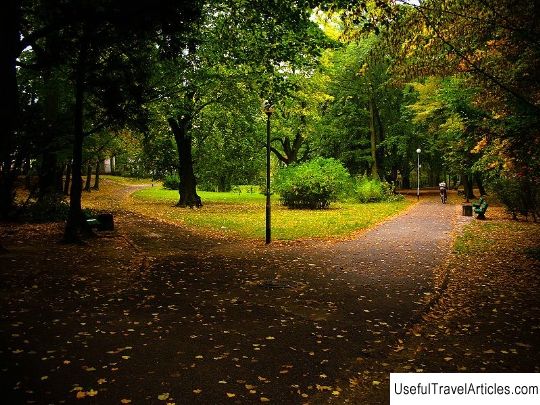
(336, 393)
(91, 393)
(231, 395)
(125, 401)
(264, 399)
(80, 394)
(163, 397)
(101, 381)
(197, 391)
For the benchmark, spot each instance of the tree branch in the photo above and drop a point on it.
(476, 68)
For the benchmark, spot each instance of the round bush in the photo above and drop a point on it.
(314, 184)
(171, 181)
(368, 190)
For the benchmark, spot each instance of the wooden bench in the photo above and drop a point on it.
(102, 222)
(480, 208)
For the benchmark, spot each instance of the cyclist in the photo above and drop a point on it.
(443, 189)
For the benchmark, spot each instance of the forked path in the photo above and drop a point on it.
(290, 321)
(194, 319)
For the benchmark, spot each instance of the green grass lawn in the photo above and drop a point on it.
(243, 215)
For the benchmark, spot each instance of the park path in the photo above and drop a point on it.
(315, 309)
(203, 320)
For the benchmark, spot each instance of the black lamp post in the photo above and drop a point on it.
(418, 175)
(268, 109)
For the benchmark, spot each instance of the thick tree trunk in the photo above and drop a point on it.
(9, 112)
(187, 187)
(373, 141)
(88, 183)
(480, 184)
(76, 223)
(468, 187)
(406, 174)
(380, 150)
(96, 178)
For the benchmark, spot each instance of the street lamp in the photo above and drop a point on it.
(418, 175)
(268, 108)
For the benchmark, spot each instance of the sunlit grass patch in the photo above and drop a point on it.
(127, 180)
(243, 215)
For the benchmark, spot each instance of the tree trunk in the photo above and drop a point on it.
(480, 184)
(468, 187)
(373, 141)
(47, 176)
(59, 181)
(9, 112)
(187, 187)
(88, 183)
(406, 173)
(67, 184)
(96, 178)
(380, 150)
(75, 222)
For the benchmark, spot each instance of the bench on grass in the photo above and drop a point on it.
(480, 208)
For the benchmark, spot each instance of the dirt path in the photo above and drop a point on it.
(156, 313)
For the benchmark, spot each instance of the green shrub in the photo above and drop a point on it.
(372, 190)
(519, 195)
(171, 181)
(314, 184)
(51, 209)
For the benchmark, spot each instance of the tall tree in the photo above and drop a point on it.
(218, 60)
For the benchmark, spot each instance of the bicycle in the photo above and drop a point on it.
(444, 196)
(443, 192)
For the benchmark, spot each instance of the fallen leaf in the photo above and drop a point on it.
(197, 391)
(125, 401)
(231, 395)
(80, 394)
(164, 396)
(91, 393)
(264, 399)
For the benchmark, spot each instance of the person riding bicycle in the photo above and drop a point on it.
(443, 190)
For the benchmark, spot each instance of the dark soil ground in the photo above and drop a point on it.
(155, 313)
